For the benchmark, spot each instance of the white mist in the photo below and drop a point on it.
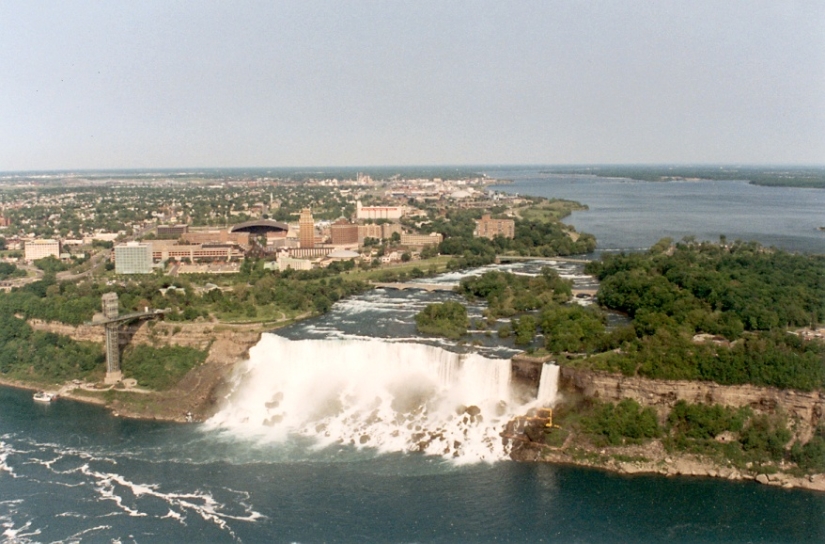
(394, 397)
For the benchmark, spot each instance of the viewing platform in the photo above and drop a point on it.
(111, 321)
(148, 314)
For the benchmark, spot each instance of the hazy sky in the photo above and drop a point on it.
(139, 84)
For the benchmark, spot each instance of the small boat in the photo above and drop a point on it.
(42, 396)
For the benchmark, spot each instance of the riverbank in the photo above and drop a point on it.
(194, 398)
(197, 397)
(653, 458)
(528, 435)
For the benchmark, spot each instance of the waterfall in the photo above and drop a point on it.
(548, 385)
(390, 396)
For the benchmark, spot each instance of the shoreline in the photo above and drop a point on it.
(648, 459)
(197, 397)
(193, 399)
(652, 459)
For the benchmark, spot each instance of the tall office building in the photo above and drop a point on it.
(306, 228)
(133, 258)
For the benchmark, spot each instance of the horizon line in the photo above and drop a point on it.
(409, 166)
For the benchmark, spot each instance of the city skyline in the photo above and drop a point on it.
(301, 84)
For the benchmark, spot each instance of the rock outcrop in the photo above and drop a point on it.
(527, 436)
(806, 408)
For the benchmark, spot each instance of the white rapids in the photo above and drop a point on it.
(390, 396)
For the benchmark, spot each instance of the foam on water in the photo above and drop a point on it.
(4, 456)
(47, 464)
(389, 396)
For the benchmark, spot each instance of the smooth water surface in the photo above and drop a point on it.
(626, 215)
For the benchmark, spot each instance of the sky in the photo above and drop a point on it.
(164, 84)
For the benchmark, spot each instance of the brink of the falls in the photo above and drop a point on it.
(390, 396)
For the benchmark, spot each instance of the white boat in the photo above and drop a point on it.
(42, 396)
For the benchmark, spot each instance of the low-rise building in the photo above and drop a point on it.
(216, 236)
(378, 212)
(40, 249)
(285, 263)
(421, 240)
(171, 231)
(486, 227)
(164, 250)
(210, 268)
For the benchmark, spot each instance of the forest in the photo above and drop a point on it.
(731, 314)
(724, 313)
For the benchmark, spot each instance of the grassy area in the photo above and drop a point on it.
(426, 265)
(549, 210)
(160, 368)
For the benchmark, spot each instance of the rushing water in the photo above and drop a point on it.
(351, 428)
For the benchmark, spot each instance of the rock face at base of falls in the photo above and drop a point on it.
(804, 407)
(526, 436)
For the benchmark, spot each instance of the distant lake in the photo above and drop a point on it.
(626, 214)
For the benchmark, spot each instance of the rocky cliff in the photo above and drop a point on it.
(196, 395)
(806, 408)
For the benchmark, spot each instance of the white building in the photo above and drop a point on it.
(133, 258)
(39, 249)
(285, 262)
(378, 212)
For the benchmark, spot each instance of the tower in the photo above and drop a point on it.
(306, 228)
(110, 312)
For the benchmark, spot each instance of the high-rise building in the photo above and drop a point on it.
(344, 233)
(306, 227)
(133, 258)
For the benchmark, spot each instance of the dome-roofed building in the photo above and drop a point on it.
(260, 226)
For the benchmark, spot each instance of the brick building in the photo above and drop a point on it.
(486, 227)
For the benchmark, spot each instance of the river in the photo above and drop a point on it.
(629, 215)
(349, 428)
